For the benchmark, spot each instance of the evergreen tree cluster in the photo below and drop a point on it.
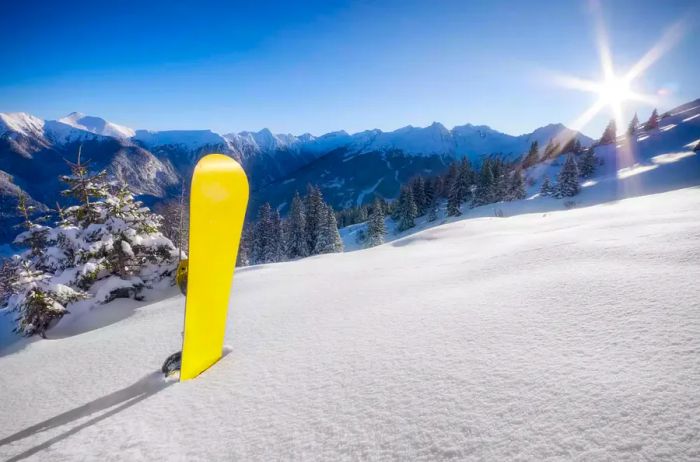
(494, 181)
(104, 246)
(311, 228)
(568, 180)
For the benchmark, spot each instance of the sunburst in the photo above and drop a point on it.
(615, 91)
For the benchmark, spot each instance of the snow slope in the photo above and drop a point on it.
(569, 335)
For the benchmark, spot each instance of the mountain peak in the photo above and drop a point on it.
(20, 122)
(97, 125)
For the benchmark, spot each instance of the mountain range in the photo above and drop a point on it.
(349, 168)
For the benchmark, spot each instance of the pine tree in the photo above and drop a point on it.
(297, 244)
(633, 126)
(516, 187)
(314, 208)
(433, 210)
(86, 188)
(407, 210)
(587, 163)
(418, 190)
(577, 146)
(610, 134)
(546, 189)
(453, 199)
(500, 186)
(38, 303)
(569, 146)
(485, 188)
(376, 229)
(245, 247)
(464, 180)
(551, 150)
(106, 246)
(430, 193)
(653, 122)
(532, 156)
(568, 182)
(263, 247)
(277, 244)
(328, 240)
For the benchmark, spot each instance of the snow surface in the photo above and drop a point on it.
(547, 336)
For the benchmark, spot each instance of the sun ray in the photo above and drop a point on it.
(672, 36)
(615, 90)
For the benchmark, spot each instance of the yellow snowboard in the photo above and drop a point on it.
(218, 201)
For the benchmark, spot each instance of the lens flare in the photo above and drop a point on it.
(615, 90)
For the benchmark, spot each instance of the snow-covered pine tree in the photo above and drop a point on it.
(577, 146)
(569, 145)
(484, 193)
(552, 150)
(328, 240)
(122, 251)
(568, 182)
(263, 247)
(609, 134)
(27, 288)
(418, 189)
(653, 122)
(407, 210)
(465, 180)
(587, 163)
(376, 229)
(106, 246)
(314, 208)
(516, 186)
(501, 185)
(532, 156)
(453, 199)
(546, 189)
(278, 237)
(429, 192)
(85, 188)
(244, 248)
(433, 210)
(633, 126)
(297, 244)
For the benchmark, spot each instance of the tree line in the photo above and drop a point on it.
(310, 228)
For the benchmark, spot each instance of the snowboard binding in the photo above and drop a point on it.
(172, 364)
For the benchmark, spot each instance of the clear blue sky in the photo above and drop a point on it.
(328, 65)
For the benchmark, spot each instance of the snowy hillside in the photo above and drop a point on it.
(652, 161)
(562, 336)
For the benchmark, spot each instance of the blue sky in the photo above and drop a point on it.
(329, 65)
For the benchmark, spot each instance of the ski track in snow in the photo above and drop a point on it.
(570, 335)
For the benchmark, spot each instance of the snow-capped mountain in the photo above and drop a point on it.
(350, 168)
(97, 125)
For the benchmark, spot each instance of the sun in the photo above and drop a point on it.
(615, 90)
